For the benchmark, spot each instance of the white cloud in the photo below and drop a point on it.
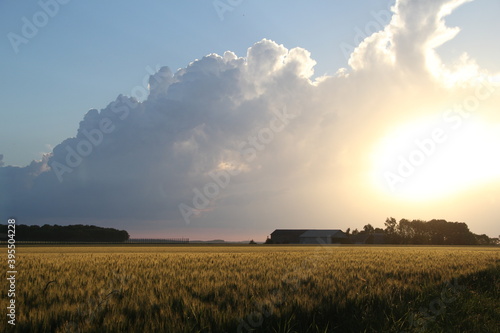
(218, 114)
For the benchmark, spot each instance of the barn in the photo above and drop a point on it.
(324, 236)
(308, 236)
(287, 236)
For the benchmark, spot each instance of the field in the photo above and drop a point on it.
(256, 288)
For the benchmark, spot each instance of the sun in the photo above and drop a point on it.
(428, 158)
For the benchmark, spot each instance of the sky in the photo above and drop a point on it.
(229, 119)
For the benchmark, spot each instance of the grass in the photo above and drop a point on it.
(257, 288)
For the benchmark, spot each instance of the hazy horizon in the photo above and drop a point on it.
(228, 123)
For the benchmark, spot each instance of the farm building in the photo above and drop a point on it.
(331, 236)
(287, 236)
(305, 236)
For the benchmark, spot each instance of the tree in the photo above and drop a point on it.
(435, 232)
(70, 233)
(484, 239)
(405, 232)
(390, 225)
(391, 231)
(369, 228)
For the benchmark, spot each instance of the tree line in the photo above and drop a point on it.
(433, 232)
(69, 233)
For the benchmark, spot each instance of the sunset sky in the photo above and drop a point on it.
(227, 120)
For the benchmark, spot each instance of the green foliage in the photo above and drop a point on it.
(433, 232)
(69, 233)
(269, 289)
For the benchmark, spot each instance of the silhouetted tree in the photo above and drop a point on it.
(390, 225)
(369, 228)
(484, 240)
(435, 232)
(70, 233)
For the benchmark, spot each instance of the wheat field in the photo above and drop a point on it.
(256, 288)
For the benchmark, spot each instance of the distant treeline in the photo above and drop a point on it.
(433, 232)
(70, 233)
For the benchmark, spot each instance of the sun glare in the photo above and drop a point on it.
(429, 159)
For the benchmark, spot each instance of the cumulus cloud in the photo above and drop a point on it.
(253, 141)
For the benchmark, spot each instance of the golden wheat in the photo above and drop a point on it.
(218, 288)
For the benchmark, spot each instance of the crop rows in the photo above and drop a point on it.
(266, 288)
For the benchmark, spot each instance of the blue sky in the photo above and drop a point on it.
(90, 52)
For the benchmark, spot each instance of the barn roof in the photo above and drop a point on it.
(288, 231)
(324, 233)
